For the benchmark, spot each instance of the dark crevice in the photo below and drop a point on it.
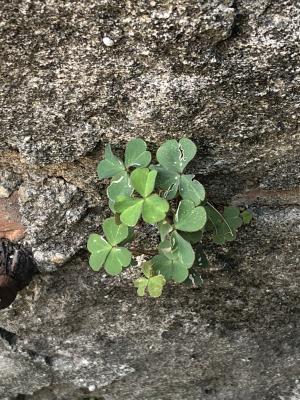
(236, 30)
(34, 355)
(267, 8)
(9, 337)
(20, 397)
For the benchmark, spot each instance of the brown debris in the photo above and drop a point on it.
(11, 226)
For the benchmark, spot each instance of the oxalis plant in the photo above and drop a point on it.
(160, 194)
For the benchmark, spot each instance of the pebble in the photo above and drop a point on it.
(108, 41)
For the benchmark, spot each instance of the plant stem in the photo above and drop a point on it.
(138, 252)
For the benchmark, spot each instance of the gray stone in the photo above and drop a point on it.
(236, 338)
(56, 220)
(9, 182)
(78, 75)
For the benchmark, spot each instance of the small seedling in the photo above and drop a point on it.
(160, 194)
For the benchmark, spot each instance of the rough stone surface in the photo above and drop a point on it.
(77, 75)
(9, 182)
(55, 213)
(236, 338)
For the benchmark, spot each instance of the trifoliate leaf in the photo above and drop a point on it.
(114, 233)
(136, 154)
(192, 237)
(120, 186)
(155, 285)
(232, 216)
(95, 242)
(246, 216)
(188, 151)
(98, 258)
(99, 248)
(170, 269)
(191, 190)
(175, 156)
(110, 166)
(130, 210)
(168, 155)
(154, 209)
(141, 284)
(166, 180)
(165, 247)
(118, 258)
(164, 229)
(225, 226)
(189, 218)
(183, 250)
(147, 269)
(143, 181)
(170, 181)
(178, 250)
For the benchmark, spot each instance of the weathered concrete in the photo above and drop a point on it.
(76, 75)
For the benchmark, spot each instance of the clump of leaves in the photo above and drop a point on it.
(160, 194)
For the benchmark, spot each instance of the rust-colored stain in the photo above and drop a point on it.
(10, 219)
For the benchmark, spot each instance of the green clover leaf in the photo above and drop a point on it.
(143, 181)
(192, 237)
(152, 207)
(177, 248)
(167, 250)
(246, 217)
(174, 156)
(141, 285)
(119, 187)
(147, 269)
(226, 225)
(183, 249)
(100, 249)
(232, 215)
(154, 284)
(166, 180)
(118, 258)
(190, 189)
(170, 269)
(104, 252)
(136, 154)
(114, 233)
(130, 210)
(110, 166)
(155, 209)
(170, 182)
(164, 229)
(189, 218)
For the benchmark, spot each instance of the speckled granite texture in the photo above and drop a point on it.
(75, 75)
